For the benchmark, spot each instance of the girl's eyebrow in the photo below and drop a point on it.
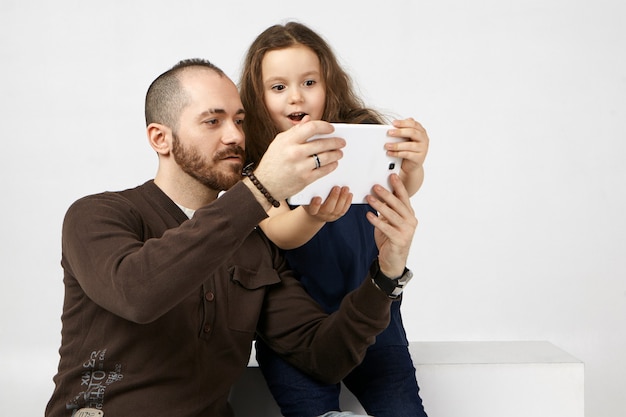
(309, 73)
(282, 77)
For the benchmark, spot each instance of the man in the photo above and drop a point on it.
(166, 284)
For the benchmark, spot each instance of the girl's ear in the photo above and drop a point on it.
(159, 137)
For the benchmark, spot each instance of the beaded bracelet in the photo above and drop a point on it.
(247, 171)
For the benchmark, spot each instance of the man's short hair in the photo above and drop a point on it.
(166, 96)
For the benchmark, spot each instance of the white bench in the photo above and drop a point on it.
(465, 379)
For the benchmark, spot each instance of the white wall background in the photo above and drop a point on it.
(522, 229)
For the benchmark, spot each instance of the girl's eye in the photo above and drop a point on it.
(278, 87)
(239, 121)
(309, 83)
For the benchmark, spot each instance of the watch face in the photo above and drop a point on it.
(400, 283)
(406, 277)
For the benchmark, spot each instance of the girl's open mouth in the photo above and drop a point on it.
(296, 116)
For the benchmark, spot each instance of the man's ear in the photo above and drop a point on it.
(159, 137)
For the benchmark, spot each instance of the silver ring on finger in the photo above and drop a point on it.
(317, 161)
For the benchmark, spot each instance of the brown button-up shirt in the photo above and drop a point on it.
(160, 310)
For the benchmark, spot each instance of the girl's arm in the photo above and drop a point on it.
(412, 180)
(413, 152)
(289, 229)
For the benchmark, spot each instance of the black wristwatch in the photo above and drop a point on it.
(391, 286)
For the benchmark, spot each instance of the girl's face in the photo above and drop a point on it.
(292, 85)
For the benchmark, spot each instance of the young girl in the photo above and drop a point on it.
(291, 73)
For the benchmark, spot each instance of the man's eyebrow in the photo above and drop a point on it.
(219, 111)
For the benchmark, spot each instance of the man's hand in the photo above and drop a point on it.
(289, 164)
(394, 226)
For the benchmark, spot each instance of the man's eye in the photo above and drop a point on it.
(211, 121)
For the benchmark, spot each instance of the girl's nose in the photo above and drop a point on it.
(295, 96)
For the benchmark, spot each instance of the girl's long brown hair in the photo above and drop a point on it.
(342, 104)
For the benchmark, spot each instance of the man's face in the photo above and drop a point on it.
(209, 142)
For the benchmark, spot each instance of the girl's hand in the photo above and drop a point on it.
(336, 205)
(413, 151)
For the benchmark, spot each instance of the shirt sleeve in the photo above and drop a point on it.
(137, 273)
(327, 347)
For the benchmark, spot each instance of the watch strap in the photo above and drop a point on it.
(393, 287)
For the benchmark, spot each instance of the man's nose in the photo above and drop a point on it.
(233, 134)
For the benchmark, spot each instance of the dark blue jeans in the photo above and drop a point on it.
(384, 383)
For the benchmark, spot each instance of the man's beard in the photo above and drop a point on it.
(202, 167)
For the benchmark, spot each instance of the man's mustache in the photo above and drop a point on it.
(232, 150)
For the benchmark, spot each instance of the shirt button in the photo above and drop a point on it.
(209, 296)
(207, 328)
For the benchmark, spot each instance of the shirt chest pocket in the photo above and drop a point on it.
(246, 291)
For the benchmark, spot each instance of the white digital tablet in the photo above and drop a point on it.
(364, 163)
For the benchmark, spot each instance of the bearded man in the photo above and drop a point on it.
(166, 285)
